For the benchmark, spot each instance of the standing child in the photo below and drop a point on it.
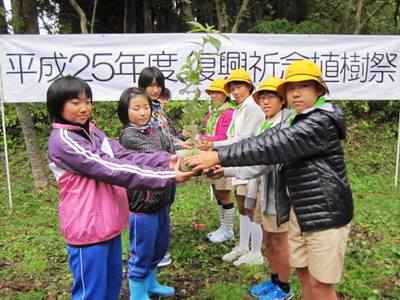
(246, 119)
(319, 201)
(152, 80)
(164, 100)
(92, 172)
(267, 196)
(217, 123)
(149, 210)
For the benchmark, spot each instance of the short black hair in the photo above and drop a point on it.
(125, 99)
(149, 74)
(63, 89)
(251, 87)
(166, 93)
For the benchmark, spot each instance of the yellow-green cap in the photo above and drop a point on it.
(240, 75)
(218, 85)
(270, 84)
(301, 70)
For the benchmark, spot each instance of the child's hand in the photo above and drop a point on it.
(204, 160)
(173, 161)
(181, 176)
(188, 144)
(216, 172)
(206, 146)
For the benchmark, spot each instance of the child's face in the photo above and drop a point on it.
(240, 91)
(77, 110)
(302, 95)
(139, 111)
(217, 97)
(270, 103)
(153, 90)
(164, 102)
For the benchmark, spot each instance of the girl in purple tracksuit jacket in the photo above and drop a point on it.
(92, 172)
(149, 209)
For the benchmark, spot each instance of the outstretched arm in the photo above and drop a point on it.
(308, 137)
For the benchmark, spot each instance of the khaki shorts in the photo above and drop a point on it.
(321, 251)
(267, 221)
(240, 189)
(221, 184)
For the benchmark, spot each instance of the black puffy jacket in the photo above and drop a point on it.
(313, 167)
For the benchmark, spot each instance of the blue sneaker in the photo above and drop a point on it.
(277, 294)
(262, 288)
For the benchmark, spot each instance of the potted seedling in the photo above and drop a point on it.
(195, 109)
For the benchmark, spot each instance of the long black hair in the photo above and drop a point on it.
(149, 74)
(125, 99)
(64, 89)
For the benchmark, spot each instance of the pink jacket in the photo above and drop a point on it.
(92, 172)
(222, 125)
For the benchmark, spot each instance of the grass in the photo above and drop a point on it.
(33, 257)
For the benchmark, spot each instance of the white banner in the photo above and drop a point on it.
(354, 66)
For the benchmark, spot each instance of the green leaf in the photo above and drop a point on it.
(197, 25)
(209, 28)
(197, 43)
(189, 61)
(194, 77)
(215, 42)
(224, 36)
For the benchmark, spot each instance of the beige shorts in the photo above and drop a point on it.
(321, 251)
(267, 221)
(240, 189)
(221, 184)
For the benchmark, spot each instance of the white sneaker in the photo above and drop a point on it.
(214, 232)
(220, 236)
(234, 254)
(249, 259)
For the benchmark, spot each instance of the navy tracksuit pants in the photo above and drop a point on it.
(149, 239)
(97, 270)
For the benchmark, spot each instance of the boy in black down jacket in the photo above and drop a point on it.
(319, 202)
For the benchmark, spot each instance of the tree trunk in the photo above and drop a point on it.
(187, 15)
(93, 16)
(28, 129)
(360, 24)
(344, 24)
(223, 24)
(241, 16)
(163, 15)
(360, 5)
(25, 21)
(129, 11)
(147, 18)
(81, 14)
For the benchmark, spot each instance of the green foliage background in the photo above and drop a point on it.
(33, 257)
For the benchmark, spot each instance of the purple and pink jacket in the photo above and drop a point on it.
(92, 172)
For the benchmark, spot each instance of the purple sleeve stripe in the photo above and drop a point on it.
(111, 165)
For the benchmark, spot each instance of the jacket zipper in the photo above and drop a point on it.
(89, 136)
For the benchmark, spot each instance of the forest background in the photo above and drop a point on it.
(33, 260)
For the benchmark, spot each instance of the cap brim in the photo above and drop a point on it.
(281, 89)
(215, 89)
(226, 86)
